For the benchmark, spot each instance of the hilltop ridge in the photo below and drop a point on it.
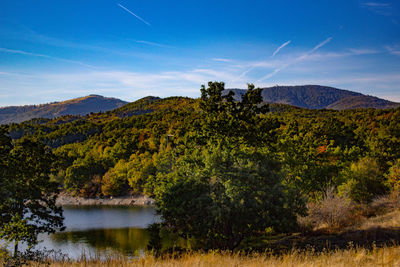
(319, 97)
(77, 106)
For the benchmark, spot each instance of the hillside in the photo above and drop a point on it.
(77, 106)
(320, 97)
(306, 96)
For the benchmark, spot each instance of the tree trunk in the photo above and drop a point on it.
(15, 249)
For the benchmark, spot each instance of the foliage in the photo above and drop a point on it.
(27, 205)
(141, 147)
(226, 120)
(222, 195)
(393, 177)
(364, 180)
(225, 192)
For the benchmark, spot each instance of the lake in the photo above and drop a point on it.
(100, 230)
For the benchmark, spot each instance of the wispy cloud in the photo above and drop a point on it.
(127, 85)
(393, 50)
(130, 12)
(376, 4)
(381, 8)
(153, 44)
(362, 51)
(21, 52)
(244, 73)
(302, 57)
(133, 85)
(221, 59)
(279, 48)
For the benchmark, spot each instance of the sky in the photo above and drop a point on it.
(129, 49)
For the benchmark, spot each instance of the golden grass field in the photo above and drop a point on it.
(388, 256)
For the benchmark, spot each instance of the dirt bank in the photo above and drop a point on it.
(67, 200)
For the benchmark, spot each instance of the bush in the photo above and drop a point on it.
(393, 177)
(364, 181)
(115, 181)
(330, 214)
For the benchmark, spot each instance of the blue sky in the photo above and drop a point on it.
(56, 50)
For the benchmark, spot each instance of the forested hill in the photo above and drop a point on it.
(128, 149)
(305, 96)
(320, 97)
(77, 106)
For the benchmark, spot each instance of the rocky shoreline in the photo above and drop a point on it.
(140, 200)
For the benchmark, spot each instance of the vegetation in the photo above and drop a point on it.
(319, 97)
(224, 171)
(27, 199)
(77, 106)
(115, 153)
(389, 256)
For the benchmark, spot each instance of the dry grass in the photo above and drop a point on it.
(388, 256)
(389, 220)
(336, 214)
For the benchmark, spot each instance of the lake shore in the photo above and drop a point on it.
(137, 200)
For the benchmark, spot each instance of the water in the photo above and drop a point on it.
(93, 231)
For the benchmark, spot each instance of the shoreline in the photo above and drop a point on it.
(137, 200)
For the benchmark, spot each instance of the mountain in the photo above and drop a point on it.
(76, 106)
(319, 97)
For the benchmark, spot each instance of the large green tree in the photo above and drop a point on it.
(223, 195)
(28, 197)
(226, 120)
(230, 189)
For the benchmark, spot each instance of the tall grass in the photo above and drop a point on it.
(388, 256)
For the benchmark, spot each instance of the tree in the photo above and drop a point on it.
(227, 120)
(28, 197)
(222, 195)
(231, 189)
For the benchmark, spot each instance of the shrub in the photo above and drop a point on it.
(330, 214)
(393, 177)
(364, 181)
(115, 181)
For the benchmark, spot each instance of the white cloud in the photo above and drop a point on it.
(222, 59)
(381, 8)
(153, 44)
(376, 4)
(394, 50)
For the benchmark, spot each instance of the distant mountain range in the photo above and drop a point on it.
(305, 96)
(76, 106)
(319, 97)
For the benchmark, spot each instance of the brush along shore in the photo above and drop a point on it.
(65, 199)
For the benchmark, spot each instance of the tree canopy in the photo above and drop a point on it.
(28, 197)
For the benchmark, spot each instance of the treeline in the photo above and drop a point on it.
(128, 150)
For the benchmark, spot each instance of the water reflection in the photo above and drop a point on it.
(100, 230)
(128, 241)
(103, 217)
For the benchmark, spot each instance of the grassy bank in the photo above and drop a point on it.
(388, 256)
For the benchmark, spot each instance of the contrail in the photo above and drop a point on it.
(21, 52)
(253, 67)
(279, 48)
(139, 18)
(306, 55)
